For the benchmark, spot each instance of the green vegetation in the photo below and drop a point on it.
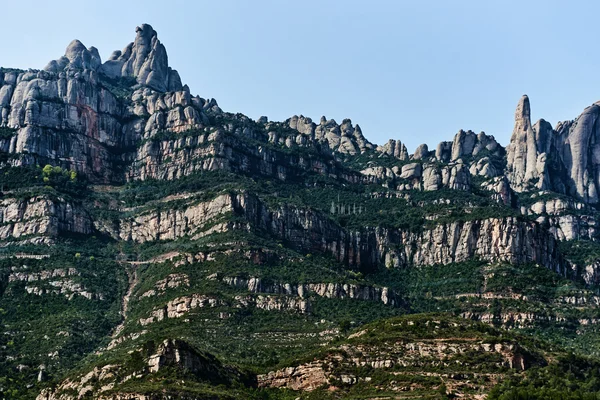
(580, 252)
(7, 133)
(65, 321)
(31, 181)
(570, 377)
(120, 86)
(67, 316)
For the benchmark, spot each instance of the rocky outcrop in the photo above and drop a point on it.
(421, 152)
(62, 118)
(305, 377)
(65, 287)
(344, 138)
(423, 176)
(173, 111)
(67, 115)
(506, 239)
(469, 144)
(183, 305)
(310, 376)
(177, 353)
(146, 60)
(195, 220)
(497, 239)
(101, 382)
(394, 148)
(39, 219)
(566, 218)
(513, 319)
(78, 57)
(233, 147)
(563, 160)
(327, 290)
(500, 190)
(579, 152)
(274, 303)
(591, 273)
(341, 365)
(172, 281)
(58, 281)
(523, 165)
(180, 306)
(25, 276)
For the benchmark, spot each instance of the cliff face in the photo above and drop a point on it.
(146, 60)
(563, 159)
(227, 148)
(163, 225)
(40, 220)
(507, 239)
(346, 366)
(66, 114)
(130, 119)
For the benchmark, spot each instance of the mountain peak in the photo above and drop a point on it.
(145, 59)
(77, 56)
(523, 111)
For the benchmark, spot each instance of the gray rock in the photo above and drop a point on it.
(411, 171)
(526, 167)
(345, 138)
(77, 56)
(581, 154)
(443, 151)
(394, 148)
(421, 152)
(146, 60)
(463, 144)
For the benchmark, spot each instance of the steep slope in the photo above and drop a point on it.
(149, 240)
(422, 356)
(413, 357)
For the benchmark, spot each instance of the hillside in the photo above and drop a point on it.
(152, 244)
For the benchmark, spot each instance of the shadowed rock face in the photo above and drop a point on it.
(581, 155)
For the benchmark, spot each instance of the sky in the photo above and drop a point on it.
(417, 71)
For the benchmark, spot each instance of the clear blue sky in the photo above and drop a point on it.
(417, 71)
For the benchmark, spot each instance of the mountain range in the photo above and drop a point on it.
(154, 246)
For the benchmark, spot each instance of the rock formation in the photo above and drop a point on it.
(394, 148)
(146, 60)
(527, 151)
(195, 220)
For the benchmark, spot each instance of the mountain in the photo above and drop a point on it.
(154, 246)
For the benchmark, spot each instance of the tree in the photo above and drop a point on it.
(47, 170)
(345, 325)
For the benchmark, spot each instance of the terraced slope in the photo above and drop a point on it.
(152, 244)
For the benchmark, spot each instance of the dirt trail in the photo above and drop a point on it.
(131, 268)
(157, 259)
(133, 281)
